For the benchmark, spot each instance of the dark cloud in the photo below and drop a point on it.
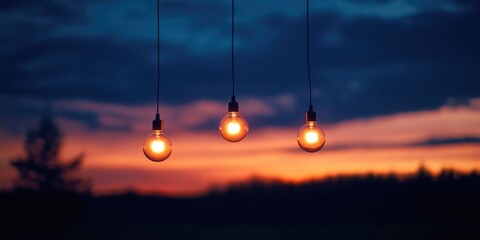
(426, 143)
(98, 69)
(54, 11)
(362, 66)
(435, 142)
(381, 66)
(205, 13)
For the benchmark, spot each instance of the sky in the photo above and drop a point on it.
(395, 86)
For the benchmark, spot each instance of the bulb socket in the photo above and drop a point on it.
(311, 115)
(233, 105)
(157, 124)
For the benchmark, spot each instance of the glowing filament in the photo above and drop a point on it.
(158, 146)
(311, 137)
(233, 128)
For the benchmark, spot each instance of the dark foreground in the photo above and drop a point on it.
(419, 207)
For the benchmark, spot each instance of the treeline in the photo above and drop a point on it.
(448, 199)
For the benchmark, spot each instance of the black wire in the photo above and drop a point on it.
(308, 54)
(233, 47)
(158, 53)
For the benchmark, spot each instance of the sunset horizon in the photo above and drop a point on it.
(224, 119)
(445, 138)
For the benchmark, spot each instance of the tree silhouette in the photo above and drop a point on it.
(41, 169)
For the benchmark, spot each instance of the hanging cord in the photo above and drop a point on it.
(233, 47)
(308, 54)
(158, 54)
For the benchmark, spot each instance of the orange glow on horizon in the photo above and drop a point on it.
(202, 159)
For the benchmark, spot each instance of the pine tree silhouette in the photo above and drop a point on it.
(41, 169)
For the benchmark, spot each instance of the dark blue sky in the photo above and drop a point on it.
(369, 57)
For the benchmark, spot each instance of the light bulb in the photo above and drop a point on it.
(157, 146)
(310, 137)
(233, 127)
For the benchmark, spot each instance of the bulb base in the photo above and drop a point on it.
(233, 105)
(157, 124)
(311, 115)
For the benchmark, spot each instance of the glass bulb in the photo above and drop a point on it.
(157, 146)
(233, 127)
(311, 137)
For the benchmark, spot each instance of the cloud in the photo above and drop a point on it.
(201, 158)
(196, 115)
(362, 65)
(407, 128)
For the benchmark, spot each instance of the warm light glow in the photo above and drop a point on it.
(157, 147)
(311, 137)
(233, 127)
